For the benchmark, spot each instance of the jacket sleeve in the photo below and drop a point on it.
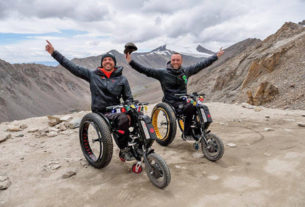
(193, 69)
(77, 70)
(127, 96)
(150, 72)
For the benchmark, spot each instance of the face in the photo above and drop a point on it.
(108, 63)
(176, 61)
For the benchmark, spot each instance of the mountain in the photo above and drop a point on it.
(29, 90)
(204, 50)
(269, 72)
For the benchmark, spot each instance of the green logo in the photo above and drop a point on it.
(184, 78)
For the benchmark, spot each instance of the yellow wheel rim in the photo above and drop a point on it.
(181, 124)
(156, 125)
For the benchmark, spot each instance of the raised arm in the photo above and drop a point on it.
(77, 70)
(193, 69)
(150, 72)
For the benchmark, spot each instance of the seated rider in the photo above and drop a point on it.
(107, 86)
(173, 81)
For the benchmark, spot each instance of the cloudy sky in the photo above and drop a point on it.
(79, 28)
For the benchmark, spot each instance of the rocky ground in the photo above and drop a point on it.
(263, 165)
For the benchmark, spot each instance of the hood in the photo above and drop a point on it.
(117, 71)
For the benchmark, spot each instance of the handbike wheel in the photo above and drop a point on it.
(214, 148)
(159, 174)
(95, 140)
(164, 123)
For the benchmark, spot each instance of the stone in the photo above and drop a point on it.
(52, 134)
(33, 130)
(61, 126)
(53, 129)
(303, 115)
(300, 124)
(4, 182)
(68, 174)
(268, 129)
(23, 126)
(20, 135)
(247, 106)
(74, 123)
(84, 163)
(267, 117)
(5, 137)
(54, 165)
(14, 129)
(232, 145)
(267, 154)
(53, 120)
(66, 118)
(258, 109)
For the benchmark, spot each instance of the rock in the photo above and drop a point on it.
(53, 165)
(53, 129)
(53, 120)
(247, 106)
(68, 174)
(4, 182)
(268, 129)
(232, 145)
(73, 124)
(61, 126)
(20, 135)
(52, 134)
(84, 163)
(33, 130)
(257, 109)
(213, 177)
(300, 124)
(66, 118)
(14, 129)
(267, 154)
(265, 93)
(5, 137)
(23, 126)
(267, 117)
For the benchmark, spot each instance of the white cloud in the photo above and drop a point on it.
(108, 24)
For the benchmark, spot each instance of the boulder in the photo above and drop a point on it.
(53, 120)
(66, 118)
(52, 134)
(69, 174)
(14, 128)
(4, 182)
(265, 93)
(4, 137)
(23, 126)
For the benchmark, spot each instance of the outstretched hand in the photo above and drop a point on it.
(49, 47)
(220, 52)
(128, 57)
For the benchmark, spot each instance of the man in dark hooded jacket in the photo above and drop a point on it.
(173, 81)
(107, 86)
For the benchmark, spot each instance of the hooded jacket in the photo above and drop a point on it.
(173, 81)
(104, 91)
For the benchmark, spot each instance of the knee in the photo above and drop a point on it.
(123, 119)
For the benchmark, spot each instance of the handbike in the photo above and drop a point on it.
(164, 118)
(96, 141)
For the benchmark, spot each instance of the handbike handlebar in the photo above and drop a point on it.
(133, 104)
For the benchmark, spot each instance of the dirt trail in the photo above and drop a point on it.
(265, 168)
